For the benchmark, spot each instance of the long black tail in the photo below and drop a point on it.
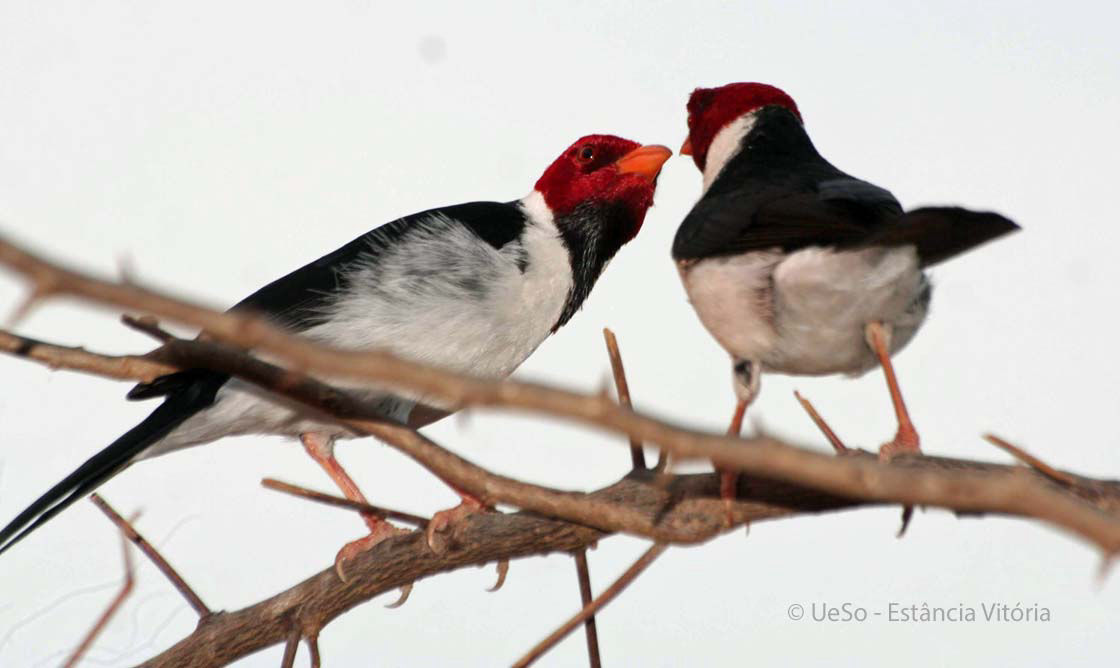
(105, 464)
(943, 232)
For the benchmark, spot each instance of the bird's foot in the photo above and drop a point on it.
(378, 532)
(905, 441)
(442, 523)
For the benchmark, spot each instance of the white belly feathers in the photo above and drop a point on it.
(804, 313)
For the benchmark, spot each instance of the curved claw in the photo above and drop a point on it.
(339, 570)
(503, 570)
(437, 524)
(443, 520)
(405, 592)
(1106, 568)
(907, 515)
(352, 549)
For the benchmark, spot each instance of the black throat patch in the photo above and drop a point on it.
(592, 233)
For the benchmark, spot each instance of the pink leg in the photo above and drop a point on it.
(321, 450)
(906, 438)
(729, 479)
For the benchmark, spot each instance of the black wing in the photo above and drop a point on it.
(778, 192)
(298, 300)
(795, 213)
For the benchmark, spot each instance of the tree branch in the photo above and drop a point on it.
(781, 480)
(686, 502)
(963, 489)
(481, 539)
(124, 367)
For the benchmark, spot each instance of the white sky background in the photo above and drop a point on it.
(215, 148)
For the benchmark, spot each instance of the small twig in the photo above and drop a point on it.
(592, 633)
(192, 598)
(841, 449)
(123, 367)
(1030, 460)
(147, 324)
(837, 444)
(637, 454)
(313, 649)
(114, 605)
(42, 289)
(606, 597)
(340, 502)
(291, 647)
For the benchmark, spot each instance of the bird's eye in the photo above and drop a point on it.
(587, 154)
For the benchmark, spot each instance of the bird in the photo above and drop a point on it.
(473, 288)
(796, 267)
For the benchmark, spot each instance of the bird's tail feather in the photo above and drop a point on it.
(105, 464)
(943, 232)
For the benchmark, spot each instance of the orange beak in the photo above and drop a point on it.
(686, 147)
(645, 161)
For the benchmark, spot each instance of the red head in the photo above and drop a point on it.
(711, 109)
(604, 170)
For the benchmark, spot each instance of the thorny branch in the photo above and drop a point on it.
(781, 480)
(964, 489)
(481, 539)
(684, 502)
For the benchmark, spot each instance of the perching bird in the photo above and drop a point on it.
(473, 288)
(796, 267)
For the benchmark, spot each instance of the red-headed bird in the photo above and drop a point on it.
(473, 288)
(796, 267)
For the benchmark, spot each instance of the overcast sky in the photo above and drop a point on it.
(215, 147)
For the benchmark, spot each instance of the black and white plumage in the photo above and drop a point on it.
(794, 266)
(785, 257)
(473, 288)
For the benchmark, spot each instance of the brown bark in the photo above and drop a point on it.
(779, 479)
